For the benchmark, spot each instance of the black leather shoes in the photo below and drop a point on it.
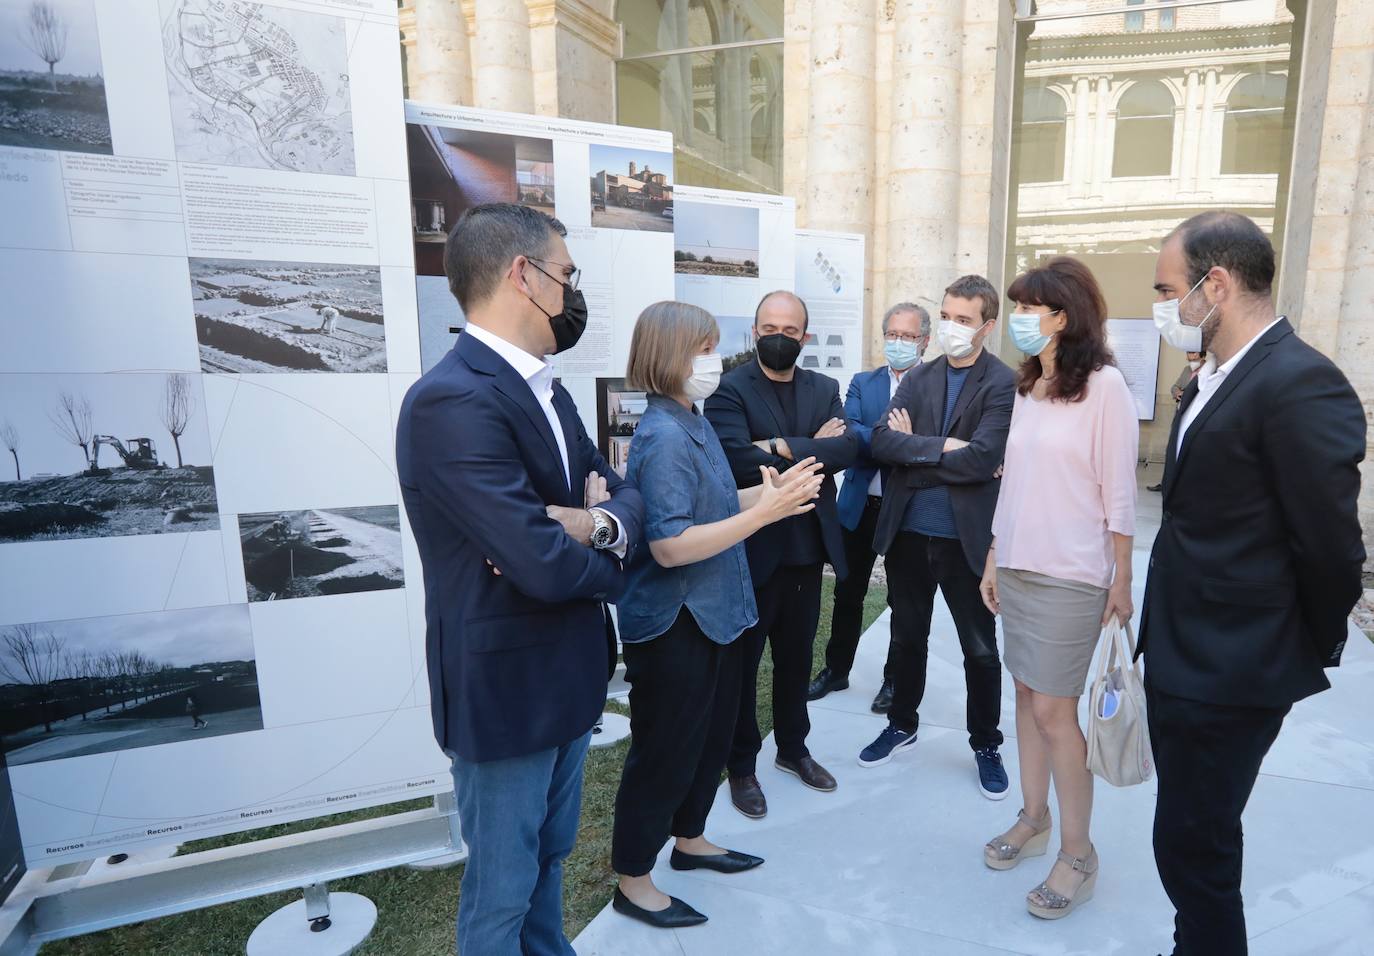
(882, 703)
(747, 796)
(824, 682)
(811, 773)
(677, 915)
(731, 861)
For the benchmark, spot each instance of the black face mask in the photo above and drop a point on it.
(778, 352)
(569, 324)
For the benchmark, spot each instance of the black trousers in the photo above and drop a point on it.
(846, 623)
(1207, 757)
(684, 693)
(789, 610)
(916, 565)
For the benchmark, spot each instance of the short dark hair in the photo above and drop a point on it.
(1229, 240)
(485, 240)
(1066, 285)
(806, 315)
(976, 287)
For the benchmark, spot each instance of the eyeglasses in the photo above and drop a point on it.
(571, 281)
(903, 337)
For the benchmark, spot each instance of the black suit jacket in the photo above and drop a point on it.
(1258, 558)
(745, 409)
(518, 661)
(982, 417)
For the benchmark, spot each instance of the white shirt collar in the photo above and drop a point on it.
(526, 365)
(1210, 375)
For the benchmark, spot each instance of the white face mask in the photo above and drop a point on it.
(957, 340)
(1187, 338)
(705, 377)
(1195, 364)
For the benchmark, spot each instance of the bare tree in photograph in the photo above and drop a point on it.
(73, 419)
(35, 657)
(177, 405)
(45, 33)
(10, 436)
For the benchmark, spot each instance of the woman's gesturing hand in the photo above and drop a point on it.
(988, 586)
(791, 493)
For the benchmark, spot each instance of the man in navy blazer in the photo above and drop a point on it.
(522, 527)
(906, 334)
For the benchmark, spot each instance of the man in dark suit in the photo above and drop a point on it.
(945, 436)
(1256, 565)
(769, 412)
(906, 334)
(521, 540)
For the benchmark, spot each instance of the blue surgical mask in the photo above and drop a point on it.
(900, 354)
(1026, 334)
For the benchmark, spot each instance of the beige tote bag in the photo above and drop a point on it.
(1118, 735)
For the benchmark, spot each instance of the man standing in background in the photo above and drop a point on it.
(906, 335)
(768, 412)
(521, 541)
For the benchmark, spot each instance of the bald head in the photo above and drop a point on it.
(781, 311)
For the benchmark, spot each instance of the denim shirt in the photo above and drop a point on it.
(680, 469)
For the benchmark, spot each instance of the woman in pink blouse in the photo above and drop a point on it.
(1060, 565)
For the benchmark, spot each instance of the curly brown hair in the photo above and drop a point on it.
(1080, 348)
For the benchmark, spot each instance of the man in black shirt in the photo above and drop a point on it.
(768, 412)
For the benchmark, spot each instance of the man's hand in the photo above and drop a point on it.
(596, 490)
(577, 522)
(899, 421)
(954, 444)
(831, 429)
(765, 444)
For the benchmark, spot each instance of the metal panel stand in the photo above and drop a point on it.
(446, 804)
(320, 924)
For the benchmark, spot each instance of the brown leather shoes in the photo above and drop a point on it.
(811, 773)
(747, 796)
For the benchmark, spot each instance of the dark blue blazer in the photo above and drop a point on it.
(517, 661)
(865, 405)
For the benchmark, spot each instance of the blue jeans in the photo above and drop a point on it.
(519, 821)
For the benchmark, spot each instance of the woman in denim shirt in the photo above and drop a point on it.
(688, 598)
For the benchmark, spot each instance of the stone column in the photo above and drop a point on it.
(1080, 164)
(796, 73)
(839, 160)
(1103, 141)
(1187, 173)
(923, 182)
(442, 70)
(1208, 128)
(501, 56)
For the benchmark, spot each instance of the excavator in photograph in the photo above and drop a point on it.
(139, 454)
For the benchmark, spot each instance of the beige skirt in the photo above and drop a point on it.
(1050, 628)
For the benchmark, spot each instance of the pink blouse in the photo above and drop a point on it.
(1068, 481)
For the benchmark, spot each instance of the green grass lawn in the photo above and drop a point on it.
(415, 909)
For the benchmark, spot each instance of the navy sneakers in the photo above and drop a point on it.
(889, 742)
(992, 776)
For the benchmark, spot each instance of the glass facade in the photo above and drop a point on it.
(710, 71)
(1123, 128)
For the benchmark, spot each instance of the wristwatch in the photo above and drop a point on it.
(773, 447)
(603, 532)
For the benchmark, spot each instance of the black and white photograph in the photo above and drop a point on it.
(254, 316)
(736, 340)
(452, 170)
(52, 83)
(715, 240)
(299, 554)
(12, 867)
(257, 85)
(94, 456)
(618, 411)
(73, 688)
(441, 319)
(631, 188)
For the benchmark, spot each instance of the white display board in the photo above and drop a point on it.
(830, 277)
(212, 617)
(1135, 342)
(611, 186)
